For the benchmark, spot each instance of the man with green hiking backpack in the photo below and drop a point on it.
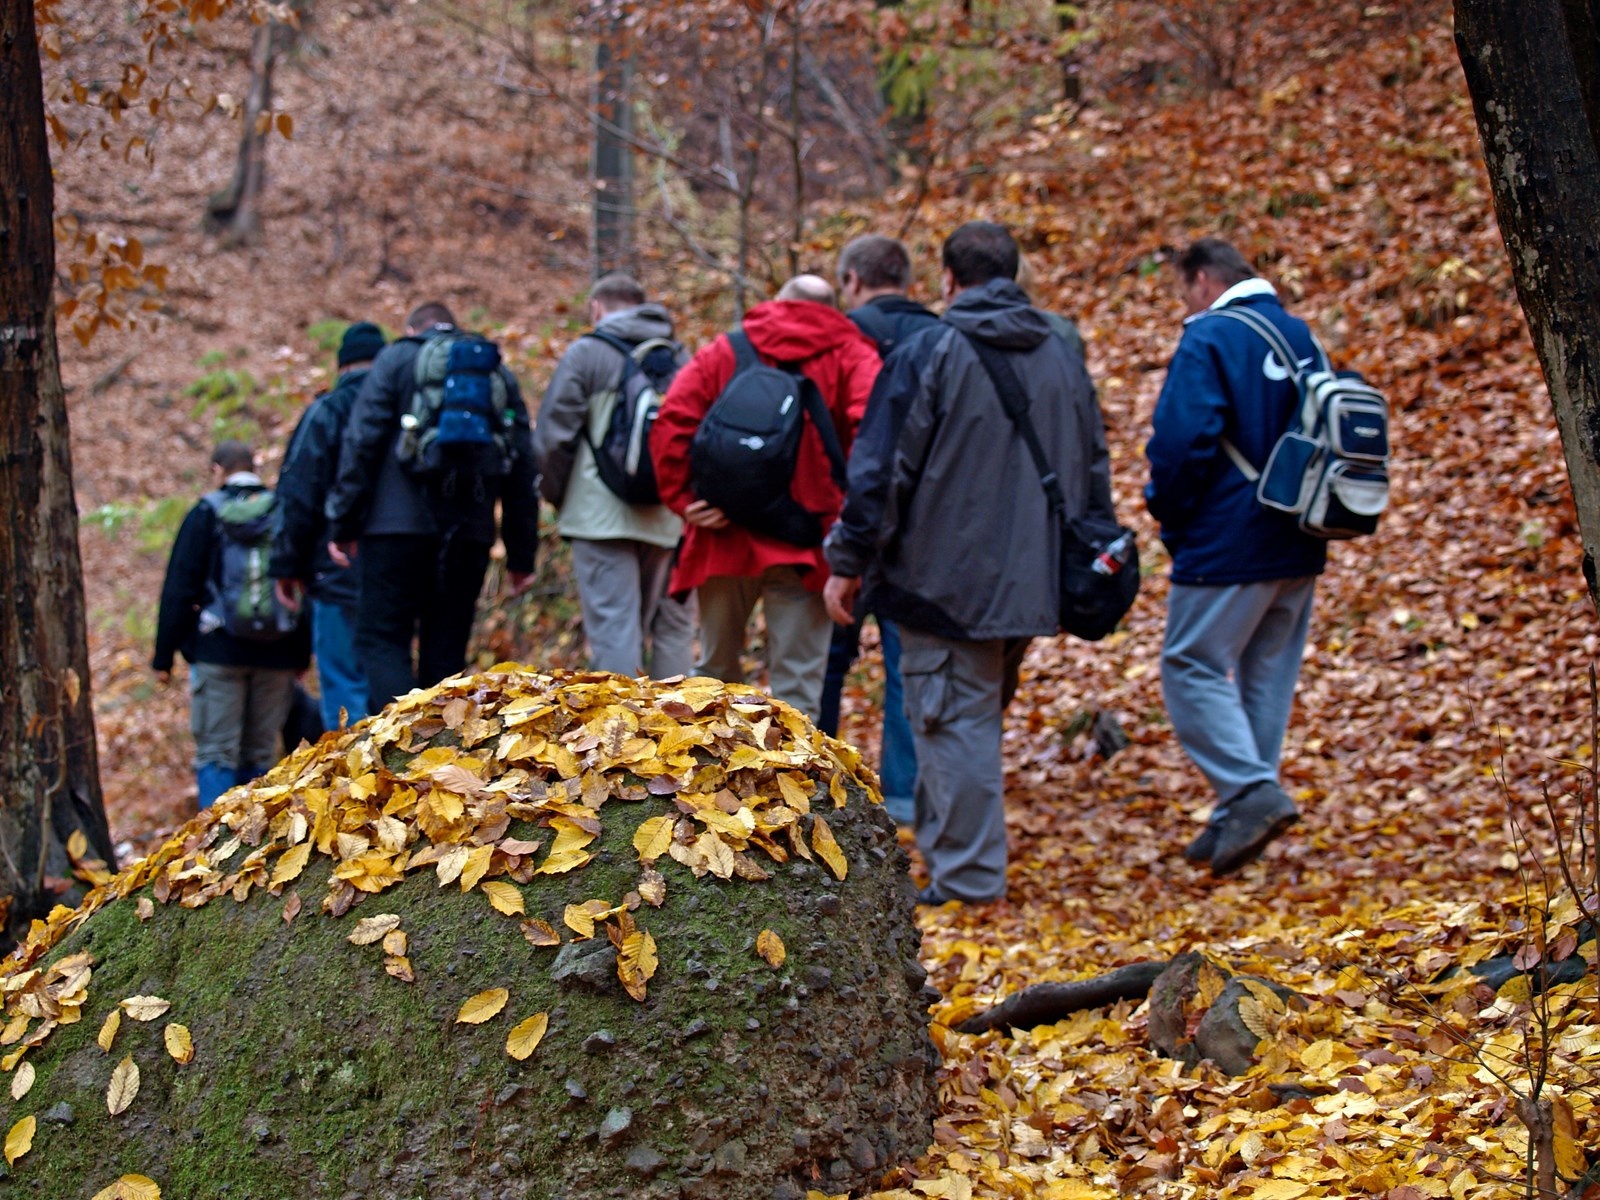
(219, 609)
(437, 439)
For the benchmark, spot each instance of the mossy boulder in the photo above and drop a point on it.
(747, 1018)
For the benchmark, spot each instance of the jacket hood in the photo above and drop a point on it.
(794, 330)
(999, 313)
(638, 323)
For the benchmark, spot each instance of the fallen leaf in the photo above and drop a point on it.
(395, 942)
(540, 933)
(482, 1007)
(144, 908)
(20, 1139)
(373, 929)
(291, 907)
(145, 1008)
(653, 837)
(770, 947)
(124, 1086)
(131, 1187)
(108, 1030)
(290, 863)
(504, 897)
(179, 1043)
(524, 1038)
(822, 841)
(399, 966)
(22, 1081)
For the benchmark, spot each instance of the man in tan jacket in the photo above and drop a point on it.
(621, 551)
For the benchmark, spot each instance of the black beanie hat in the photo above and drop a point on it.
(361, 343)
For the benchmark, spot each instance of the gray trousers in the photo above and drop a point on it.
(955, 699)
(1229, 665)
(798, 633)
(237, 713)
(633, 627)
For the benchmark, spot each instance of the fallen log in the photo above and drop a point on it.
(1046, 1003)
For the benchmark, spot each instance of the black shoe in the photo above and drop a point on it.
(1204, 845)
(1253, 820)
(933, 896)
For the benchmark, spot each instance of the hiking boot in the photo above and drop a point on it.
(1204, 845)
(1253, 820)
(931, 895)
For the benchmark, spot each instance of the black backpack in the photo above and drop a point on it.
(244, 602)
(743, 456)
(460, 417)
(622, 455)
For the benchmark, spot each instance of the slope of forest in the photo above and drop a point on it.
(1444, 686)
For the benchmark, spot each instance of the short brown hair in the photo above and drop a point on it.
(233, 456)
(878, 261)
(1218, 259)
(426, 316)
(980, 251)
(617, 290)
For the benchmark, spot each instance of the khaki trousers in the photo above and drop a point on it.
(798, 633)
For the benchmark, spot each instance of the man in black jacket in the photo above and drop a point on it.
(300, 560)
(424, 541)
(240, 690)
(948, 521)
(874, 275)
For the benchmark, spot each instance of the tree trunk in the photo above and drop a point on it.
(613, 244)
(236, 212)
(1533, 70)
(49, 772)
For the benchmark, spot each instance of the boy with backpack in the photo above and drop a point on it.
(437, 438)
(220, 611)
(592, 445)
(750, 449)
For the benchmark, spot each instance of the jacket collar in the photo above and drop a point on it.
(243, 479)
(1246, 289)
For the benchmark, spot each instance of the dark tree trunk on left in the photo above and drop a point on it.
(49, 770)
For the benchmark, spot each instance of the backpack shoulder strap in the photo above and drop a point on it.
(1014, 399)
(811, 397)
(622, 347)
(744, 353)
(1270, 334)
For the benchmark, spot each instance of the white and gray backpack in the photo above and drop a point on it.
(1330, 468)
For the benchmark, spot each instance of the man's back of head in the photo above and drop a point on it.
(980, 251)
(425, 316)
(615, 292)
(880, 265)
(814, 288)
(1218, 259)
(233, 456)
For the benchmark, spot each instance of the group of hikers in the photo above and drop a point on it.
(845, 452)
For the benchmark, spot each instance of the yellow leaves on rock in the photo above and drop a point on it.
(770, 947)
(524, 1038)
(22, 1081)
(19, 1139)
(451, 865)
(476, 866)
(373, 929)
(399, 966)
(124, 1086)
(145, 1008)
(540, 933)
(653, 837)
(569, 851)
(482, 1007)
(130, 1187)
(290, 863)
(822, 841)
(144, 908)
(636, 962)
(505, 898)
(108, 1031)
(179, 1042)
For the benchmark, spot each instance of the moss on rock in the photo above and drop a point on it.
(318, 1074)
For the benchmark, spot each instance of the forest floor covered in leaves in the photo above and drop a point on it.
(1445, 683)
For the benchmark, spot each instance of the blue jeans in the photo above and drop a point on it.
(340, 679)
(898, 761)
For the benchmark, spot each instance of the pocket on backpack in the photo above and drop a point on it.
(1282, 482)
(1346, 501)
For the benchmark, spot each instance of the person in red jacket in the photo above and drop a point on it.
(731, 567)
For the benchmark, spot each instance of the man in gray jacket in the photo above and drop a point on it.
(621, 552)
(947, 523)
